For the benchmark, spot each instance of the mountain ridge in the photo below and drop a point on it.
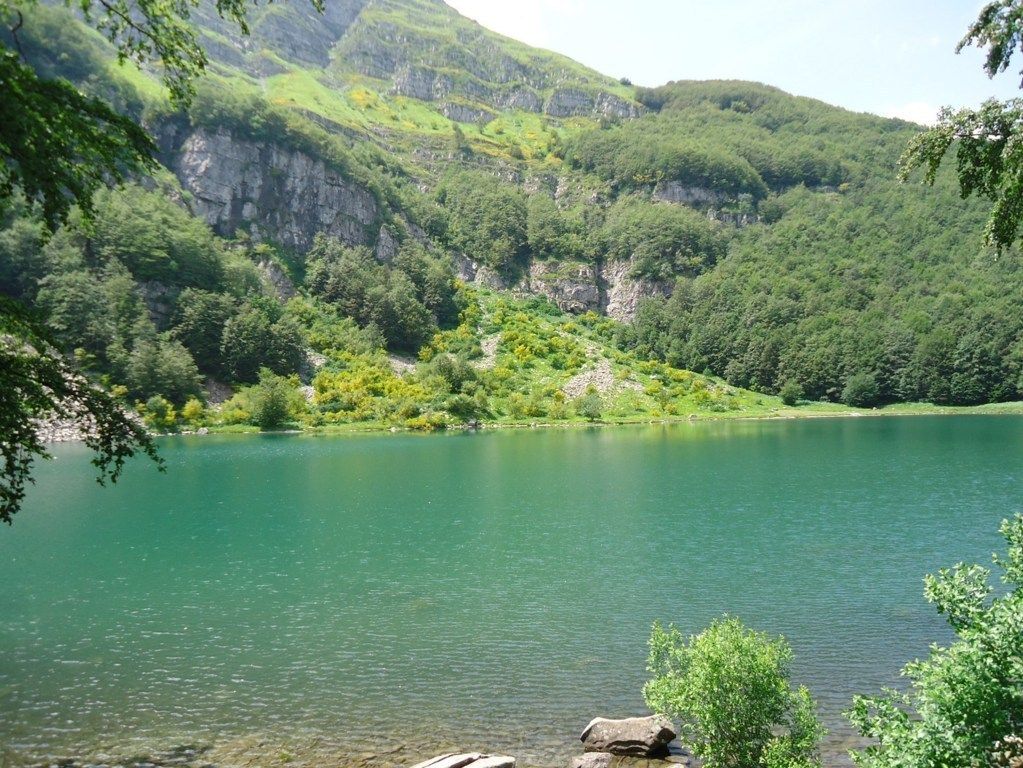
(743, 232)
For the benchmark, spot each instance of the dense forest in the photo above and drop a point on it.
(767, 238)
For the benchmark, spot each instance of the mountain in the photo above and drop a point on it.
(364, 158)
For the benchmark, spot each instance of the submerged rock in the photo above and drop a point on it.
(592, 760)
(473, 759)
(638, 736)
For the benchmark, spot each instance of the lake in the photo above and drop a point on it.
(491, 590)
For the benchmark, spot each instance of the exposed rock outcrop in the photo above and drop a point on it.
(282, 193)
(572, 286)
(465, 113)
(638, 736)
(277, 279)
(684, 194)
(623, 291)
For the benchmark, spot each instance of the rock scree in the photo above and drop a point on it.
(634, 736)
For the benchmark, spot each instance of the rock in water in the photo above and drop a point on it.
(592, 760)
(470, 759)
(636, 736)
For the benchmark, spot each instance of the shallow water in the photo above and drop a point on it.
(490, 590)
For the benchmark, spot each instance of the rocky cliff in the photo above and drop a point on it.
(610, 288)
(280, 194)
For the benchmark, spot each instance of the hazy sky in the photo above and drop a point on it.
(891, 57)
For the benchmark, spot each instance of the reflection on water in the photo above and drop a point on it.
(492, 590)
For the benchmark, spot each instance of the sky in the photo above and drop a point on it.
(890, 57)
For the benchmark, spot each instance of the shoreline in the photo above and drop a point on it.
(794, 413)
(65, 433)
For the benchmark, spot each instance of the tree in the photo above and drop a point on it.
(988, 141)
(730, 688)
(271, 400)
(964, 698)
(861, 390)
(57, 147)
(251, 341)
(159, 365)
(200, 323)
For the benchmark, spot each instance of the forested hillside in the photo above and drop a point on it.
(425, 223)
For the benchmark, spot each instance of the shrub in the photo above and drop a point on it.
(271, 400)
(964, 698)
(730, 688)
(589, 405)
(860, 390)
(193, 411)
(790, 392)
(158, 413)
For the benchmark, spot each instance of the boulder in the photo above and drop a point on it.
(470, 759)
(637, 736)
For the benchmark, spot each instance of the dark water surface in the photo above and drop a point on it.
(494, 590)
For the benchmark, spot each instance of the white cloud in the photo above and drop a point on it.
(915, 111)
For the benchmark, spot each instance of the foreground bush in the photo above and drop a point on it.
(729, 687)
(968, 697)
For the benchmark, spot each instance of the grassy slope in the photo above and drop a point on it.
(529, 357)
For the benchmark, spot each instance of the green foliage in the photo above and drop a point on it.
(365, 388)
(633, 156)
(193, 412)
(397, 302)
(253, 339)
(487, 218)
(861, 390)
(664, 240)
(159, 364)
(155, 239)
(965, 697)
(988, 141)
(791, 392)
(988, 146)
(158, 413)
(589, 405)
(271, 400)
(59, 145)
(730, 688)
(199, 325)
(552, 233)
(876, 279)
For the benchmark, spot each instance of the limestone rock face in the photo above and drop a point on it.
(464, 113)
(676, 192)
(278, 279)
(573, 287)
(623, 291)
(288, 195)
(638, 736)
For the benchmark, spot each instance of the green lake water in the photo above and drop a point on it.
(490, 590)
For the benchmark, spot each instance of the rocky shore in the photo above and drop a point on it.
(646, 742)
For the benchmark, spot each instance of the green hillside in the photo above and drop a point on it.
(426, 223)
